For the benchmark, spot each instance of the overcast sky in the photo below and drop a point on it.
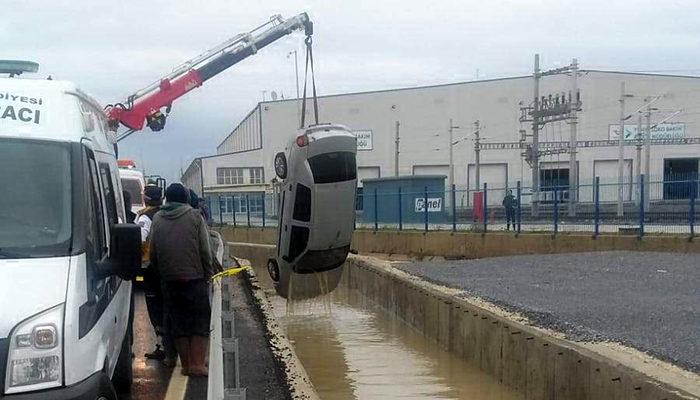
(114, 48)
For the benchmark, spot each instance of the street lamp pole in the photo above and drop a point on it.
(452, 165)
(296, 74)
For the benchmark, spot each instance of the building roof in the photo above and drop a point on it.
(259, 104)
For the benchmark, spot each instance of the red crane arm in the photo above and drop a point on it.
(144, 106)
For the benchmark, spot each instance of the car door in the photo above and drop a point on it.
(114, 318)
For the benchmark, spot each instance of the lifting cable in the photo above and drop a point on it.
(309, 60)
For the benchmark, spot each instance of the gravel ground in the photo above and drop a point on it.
(650, 301)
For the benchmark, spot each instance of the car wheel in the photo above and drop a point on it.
(281, 165)
(273, 269)
(124, 372)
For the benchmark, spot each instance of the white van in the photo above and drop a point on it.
(65, 255)
(317, 210)
(133, 182)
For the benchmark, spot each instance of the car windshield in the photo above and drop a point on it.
(35, 205)
(333, 167)
(134, 188)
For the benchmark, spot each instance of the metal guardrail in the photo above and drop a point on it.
(224, 381)
(224, 367)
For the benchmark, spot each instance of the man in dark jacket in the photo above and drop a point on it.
(179, 250)
(509, 204)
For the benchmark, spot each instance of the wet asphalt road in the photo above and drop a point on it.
(151, 378)
(650, 301)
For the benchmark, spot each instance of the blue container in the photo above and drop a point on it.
(412, 199)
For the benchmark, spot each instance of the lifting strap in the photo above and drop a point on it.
(309, 60)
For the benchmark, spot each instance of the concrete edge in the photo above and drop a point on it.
(298, 380)
(675, 381)
(462, 244)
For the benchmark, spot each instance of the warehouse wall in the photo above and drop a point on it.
(424, 115)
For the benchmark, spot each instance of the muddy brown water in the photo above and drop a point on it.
(352, 349)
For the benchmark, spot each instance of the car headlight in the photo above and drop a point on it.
(35, 359)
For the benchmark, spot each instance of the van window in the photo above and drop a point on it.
(35, 206)
(333, 167)
(96, 225)
(133, 186)
(108, 193)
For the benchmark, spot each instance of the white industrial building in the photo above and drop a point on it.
(243, 162)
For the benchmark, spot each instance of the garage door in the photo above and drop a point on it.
(607, 170)
(431, 170)
(366, 173)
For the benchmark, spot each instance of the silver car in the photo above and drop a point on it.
(317, 211)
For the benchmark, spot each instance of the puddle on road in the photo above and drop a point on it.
(352, 349)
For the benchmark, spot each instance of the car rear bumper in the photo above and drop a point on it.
(321, 260)
(95, 387)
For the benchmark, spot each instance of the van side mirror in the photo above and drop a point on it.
(125, 252)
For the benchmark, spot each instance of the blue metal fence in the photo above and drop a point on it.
(648, 207)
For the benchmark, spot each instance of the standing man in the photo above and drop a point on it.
(179, 250)
(153, 198)
(509, 204)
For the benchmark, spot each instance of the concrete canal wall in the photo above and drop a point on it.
(476, 245)
(540, 364)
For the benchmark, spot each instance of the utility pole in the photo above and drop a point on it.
(452, 164)
(573, 121)
(621, 152)
(477, 158)
(536, 141)
(647, 155)
(638, 167)
(396, 150)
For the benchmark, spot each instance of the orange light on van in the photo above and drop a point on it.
(302, 140)
(126, 164)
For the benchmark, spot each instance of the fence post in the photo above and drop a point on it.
(519, 207)
(425, 207)
(233, 203)
(263, 208)
(221, 213)
(247, 208)
(691, 214)
(556, 211)
(485, 207)
(400, 211)
(454, 209)
(376, 211)
(641, 206)
(354, 220)
(597, 206)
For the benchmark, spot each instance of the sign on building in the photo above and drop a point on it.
(364, 139)
(434, 204)
(661, 131)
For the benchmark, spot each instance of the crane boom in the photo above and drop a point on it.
(145, 105)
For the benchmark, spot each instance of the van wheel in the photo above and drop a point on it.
(106, 391)
(273, 269)
(281, 165)
(124, 372)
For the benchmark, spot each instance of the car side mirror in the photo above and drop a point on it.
(124, 258)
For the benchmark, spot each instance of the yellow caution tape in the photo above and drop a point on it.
(229, 272)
